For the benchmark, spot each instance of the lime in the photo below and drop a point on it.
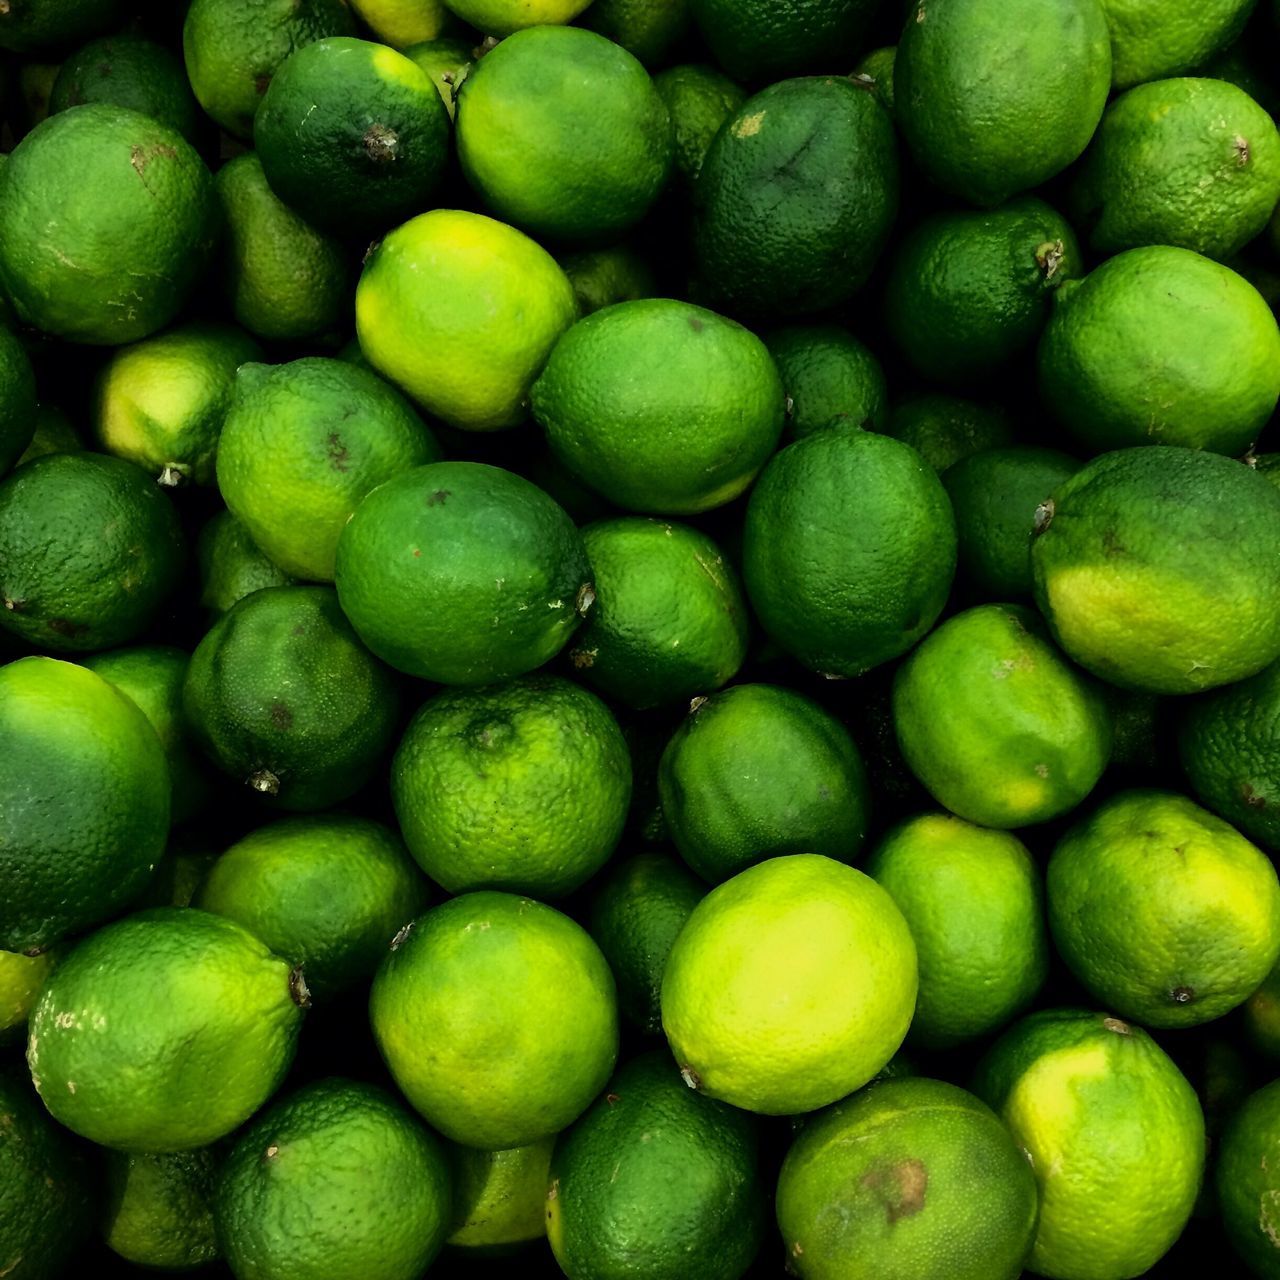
(943, 429)
(17, 401)
(758, 771)
(502, 585)
(849, 548)
(337, 1182)
(829, 376)
(499, 1198)
(1159, 345)
(601, 277)
(502, 17)
(112, 253)
(401, 23)
(1150, 40)
(21, 977)
(1260, 1018)
(645, 28)
(84, 801)
(159, 1208)
(163, 1031)
(497, 1017)
(1114, 1135)
(521, 786)
(1247, 1180)
(908, 1178)
(161, 403)
(232, 565)
(699, 100)
(445, 59)
(656, 1181)
(974, 901)
(669, 619)
(563, 134)
(790, 985)
(301, 445)
(875, 70)
(1156, 569)
(53, 434)
(471, 362)
(28, 26)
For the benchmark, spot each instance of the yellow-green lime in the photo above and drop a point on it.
(444, 59)
(1150, 39)
(159, 1208)
(402, 23)
(943, 429)
(789, 986)
(21, 977)
(498, 1018)
(17, 401)
(33, 26)
(1247, 1181)
(699, 100)
(499, 1198)
(646, 28)
(502, 17)
(829, 376)
(974, 900)
(1260, 1017)
(232, 565)
(601, 277)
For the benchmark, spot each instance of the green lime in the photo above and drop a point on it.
(498, 1018)
(54, 433)
(970, 290)
(522, 786)
(1165, 913)
(1159, 345)
(21, 977)
(1113, 1133)
(164, 1031)
(994, 97)
(875, 70)
(337, 1182)
(301, 445)
(502, 17)
(795, 199)
(601, 277)
(470, 362)
(159, 1208)
(790, 985)
(943, 429)
(107, 221)
(28, 26)
(563, 134)
(84, 801)
(232, 565)
(845, 585)
(1156, 569)
(912, 1178)
(281, 695)
(828, 376)
(655, 1181)
(502, 585)
(445, 60)
(499, 1198)
(401, 23)
(699, 100)
(1260, 1018)
(1247, 1181)
(669, 619)
(1150, 40)
(636, 914)
(161, 403)
(17, 401)
(758, 771)
(128, 71)
(327, 893)
(974, 900)
(645, 28)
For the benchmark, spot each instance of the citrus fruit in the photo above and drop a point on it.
(233, 47)
(1247, 1180)
(601, 277)
(462, 573)
(1113, 1133)
(974, 901)
(1164, 912)
(113, 254)
(336, 1182)
(232, 565)
(1260, 1017)
(499, 1198)
(301, 445)
(84, 801)
(401, 23)
(502, 17)
(159, 1208)
(699, 100)
(563, 134)
(661, 406)
(636, 914)
(352, 135)
(1156, 569)
(645, 28)
(995, 494)
(795, 199)
(849, 548)
(908, 1178)
(521, 786)
(656, 1181)
(161, 402)
(445, 60)
(1188, 162)
(757, 771)
(970, 290)
(33, 26)
(282, 696)
(89, 550)
(789, 986)
(497, 1017)
(128, 71)
(53, 434)
(1149, 39)
(327, 893)
(163, 1031)
(669, 619)
(997, 96)
(999, 727)
(943, 429)
(829, 376)
(17, 401)
(284, 279)
(21, 977)
(470, 363)
(1159, 345)
(875, 70)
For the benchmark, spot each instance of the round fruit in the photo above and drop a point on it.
(498, 1019)
(645, 28)
(828, 376)
(699, 100)
(164, 1031)
(401, 23)
(232, 565)
(502, 17)
(1149, 39)
(53, 434)
(444, 59)
(917, 1155)
(944, 429)
(499, 1198)
(160, 1208)
(17, 401)
(463, 573)
(1157, 569)
(21, 977)
(521, 786)
(1260, 1016)
(790, 986)
(601, 277)
(43, 26)
(111, 254)
(875, 70)
(848, 551)
(1247, 1179)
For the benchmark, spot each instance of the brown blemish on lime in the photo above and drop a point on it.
(1247, 794)
(265, 781)
(1043, 517)
(339, 454)
(690, 1077)
(439, 497)
(1115, 1024)
(748, 126)
(298, 990)
(1182, 995)
(281, 717)
(901, 1188)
